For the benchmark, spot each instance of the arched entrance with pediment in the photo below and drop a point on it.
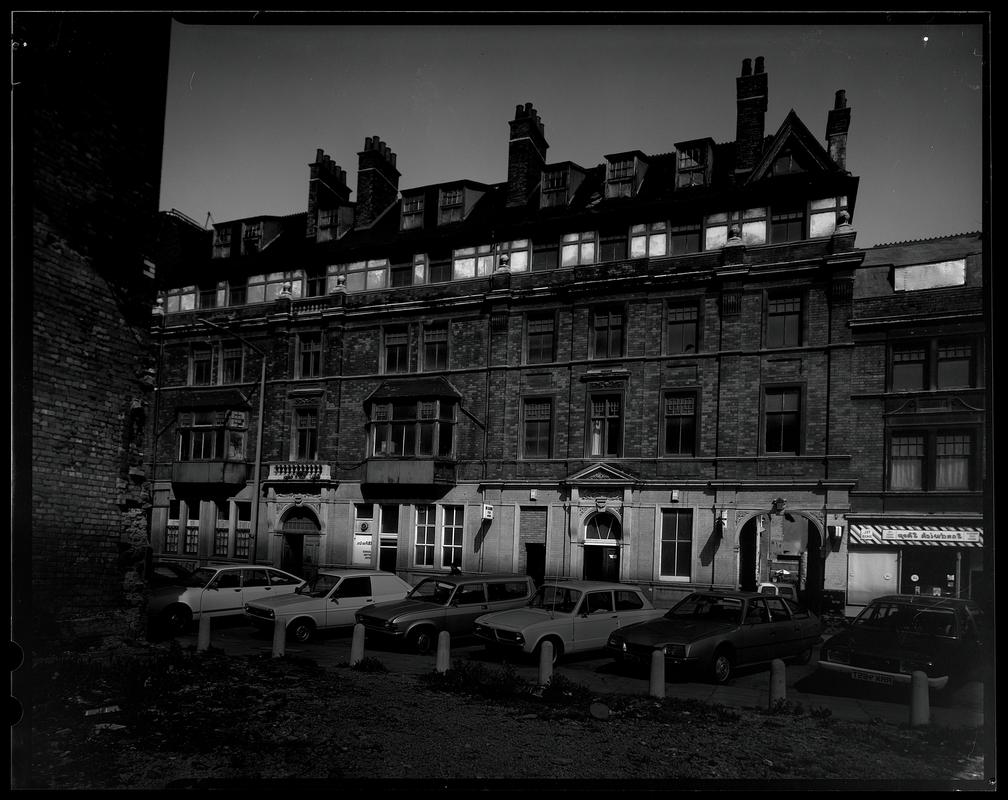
(603, 536)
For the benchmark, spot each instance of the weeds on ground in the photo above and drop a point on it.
(369, 664)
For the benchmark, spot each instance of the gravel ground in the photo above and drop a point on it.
(199, 720)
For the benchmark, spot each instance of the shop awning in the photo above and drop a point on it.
(926, 535)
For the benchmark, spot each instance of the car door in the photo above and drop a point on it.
(350, 595)
(223, 595)
(631, 607)
(468, 602)
(785, 632)
(594, 620)
(756, 633)
(255, 584)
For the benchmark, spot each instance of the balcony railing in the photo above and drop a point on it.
(300, 471)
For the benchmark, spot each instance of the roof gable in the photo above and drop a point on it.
(794, 135)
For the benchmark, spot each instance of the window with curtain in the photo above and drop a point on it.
(605, 435)
(906, 461)
(953, 452)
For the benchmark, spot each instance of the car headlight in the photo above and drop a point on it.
(674, 650)
(616, 641)
(390, 625)
(519, 638)
(837, 656)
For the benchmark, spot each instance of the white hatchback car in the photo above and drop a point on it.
(217, 590)
(329, 600)
(573, 615)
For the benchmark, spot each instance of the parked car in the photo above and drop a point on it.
(217, 590)
(787, 590)
(328, 600)
(717, 631)
(445, 603)
(896, 635)
(573, 615)
(167, 573)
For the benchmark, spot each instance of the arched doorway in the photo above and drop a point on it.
(300, 543)
(748, 561)
(601, 552)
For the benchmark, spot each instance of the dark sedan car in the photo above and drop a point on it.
(897, 635)
(717, 631)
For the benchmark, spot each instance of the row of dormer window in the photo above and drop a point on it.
(755, 226)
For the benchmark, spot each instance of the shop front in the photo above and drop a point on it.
(935, 561)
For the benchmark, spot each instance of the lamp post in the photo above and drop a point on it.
(254, 533)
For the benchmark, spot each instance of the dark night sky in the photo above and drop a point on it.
(248, 106)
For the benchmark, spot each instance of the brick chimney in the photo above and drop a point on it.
(751, 90)
(526, 154)
(377, 181)
(837, 125)
(327, 188)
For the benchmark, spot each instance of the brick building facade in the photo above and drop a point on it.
(88, 113)
(638, 370)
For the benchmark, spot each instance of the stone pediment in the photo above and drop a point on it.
(600, 474)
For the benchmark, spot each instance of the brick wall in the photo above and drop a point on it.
(89, 117)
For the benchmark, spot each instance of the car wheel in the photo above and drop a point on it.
(721, 666)
(301, 630)
(177, 618)
(803, 657)
(557, 650)
(425, 640)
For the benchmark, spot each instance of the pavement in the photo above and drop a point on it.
(961, 707)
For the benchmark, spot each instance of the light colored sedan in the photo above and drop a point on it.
(573, 615)
(329, 600)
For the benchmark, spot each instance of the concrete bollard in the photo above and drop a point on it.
(357, 645)
(658, 672)
(279, 637)
(778, 683)
(920, 701)
(443, 651)
(545, 663)
(203, 636)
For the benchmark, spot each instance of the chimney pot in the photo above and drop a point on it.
(528, 109)
(392, 155)
(759, 65)
(318, 155)
(746, 67)
(841, 99)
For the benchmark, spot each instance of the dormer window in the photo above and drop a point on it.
(554, 189)
(222, 243)
(786, 164)
(328, 219)
(251, 237)
(620, 180)
(412, 212)
(451, 206)
(690, 167)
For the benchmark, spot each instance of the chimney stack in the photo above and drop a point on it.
(327, 188)
(526, 154)
(751, 92)
(377, 181)
(837, 125)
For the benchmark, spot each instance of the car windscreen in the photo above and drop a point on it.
(200, 577)
(905, 618)
(560, 599)
(708, 607)
(432, 590)
(319, 586)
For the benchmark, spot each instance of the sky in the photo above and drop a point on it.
(248, 106)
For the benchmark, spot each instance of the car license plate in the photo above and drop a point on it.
(870, 677)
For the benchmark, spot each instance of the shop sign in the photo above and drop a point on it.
(362, 548)
(895, 534)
